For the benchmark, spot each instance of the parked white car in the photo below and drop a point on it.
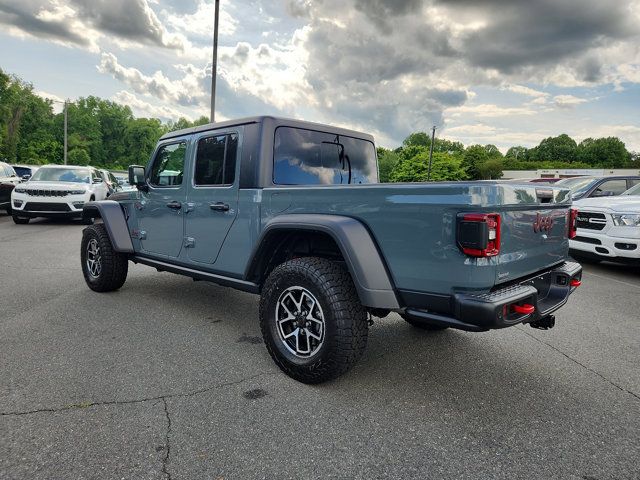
(608, 228)
(57, 191)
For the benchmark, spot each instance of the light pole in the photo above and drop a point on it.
(433, 136)
(214, 63)
(64, 111)
(65, 131)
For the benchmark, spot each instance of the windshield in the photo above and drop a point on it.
(75, 175)
(574, 182)
(633, 190)
(581, 188)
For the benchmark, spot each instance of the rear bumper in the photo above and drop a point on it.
(546, 292)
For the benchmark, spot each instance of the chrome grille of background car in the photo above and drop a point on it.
(591, 220)
(47, 193)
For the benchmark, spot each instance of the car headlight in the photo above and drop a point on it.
(20, 190)
(78, 192)
(626, 220)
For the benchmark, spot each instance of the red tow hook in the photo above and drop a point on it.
(575, 282)
(525, 309)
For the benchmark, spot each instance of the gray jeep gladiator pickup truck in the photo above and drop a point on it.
(293, 211)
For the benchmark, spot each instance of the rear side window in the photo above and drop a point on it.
(168, 166)
(216, 160)
(307, 157)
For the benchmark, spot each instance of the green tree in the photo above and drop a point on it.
(517, 153)
(387, 160)
(78, 156)
(493, 151)
(491, 169)
(444, 167)
(609, 152)
(474, 156)
(140, 138)
(184, 123)
(417, 139)
(423, 140)
(562, 148)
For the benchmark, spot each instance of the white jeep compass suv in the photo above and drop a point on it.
(57, 191)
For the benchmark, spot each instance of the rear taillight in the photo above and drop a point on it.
(572, 218)
(479, 234)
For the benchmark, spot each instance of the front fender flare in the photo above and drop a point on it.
(363, 259)
(114, 221)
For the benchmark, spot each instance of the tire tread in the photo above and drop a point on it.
(115, 265)
(336, 285)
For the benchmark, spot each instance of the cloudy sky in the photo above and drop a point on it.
(484, 71)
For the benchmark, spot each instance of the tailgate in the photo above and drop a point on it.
(533, 232)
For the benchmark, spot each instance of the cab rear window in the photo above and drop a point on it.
(308, 157)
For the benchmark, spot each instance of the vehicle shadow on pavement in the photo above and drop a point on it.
(484, 368)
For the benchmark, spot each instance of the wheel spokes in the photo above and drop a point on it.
(300, 322)
(94, 259)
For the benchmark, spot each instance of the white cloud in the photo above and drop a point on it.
(522, 90)
(568, 101)
(190, 90)
(274, 74)
(201, 21)
(141, 108)
(475, 130)
(487, 110)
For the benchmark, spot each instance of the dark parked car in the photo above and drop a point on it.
(8, 180)
(24, 172)
(589, 187)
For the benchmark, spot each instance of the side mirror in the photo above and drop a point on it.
(136, 177)
(97, 180)
(26, 177)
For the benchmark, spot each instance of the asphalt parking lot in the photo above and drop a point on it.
(168, 378)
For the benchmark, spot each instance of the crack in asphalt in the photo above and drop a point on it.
(165, 460)
(137, 400)
(580, 364)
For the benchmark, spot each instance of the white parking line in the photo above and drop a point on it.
(612, 279)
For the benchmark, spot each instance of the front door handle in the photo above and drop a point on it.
(175, 205)
(219, 206)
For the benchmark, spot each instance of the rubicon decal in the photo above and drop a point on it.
(543, 223)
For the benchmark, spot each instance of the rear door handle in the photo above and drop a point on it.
(175, 205)
(219, 206)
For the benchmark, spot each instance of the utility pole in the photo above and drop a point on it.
(65, 131)
(433, 136)
(214, 63)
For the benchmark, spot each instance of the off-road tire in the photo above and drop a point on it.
(20, 220)
(114, 265)
(345, 319)
(422, 325)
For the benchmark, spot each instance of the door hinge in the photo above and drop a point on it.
(189, 242)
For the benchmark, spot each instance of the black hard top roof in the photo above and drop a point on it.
(275, 121)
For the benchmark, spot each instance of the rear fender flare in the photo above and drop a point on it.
(114, 221)
(364, 260)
